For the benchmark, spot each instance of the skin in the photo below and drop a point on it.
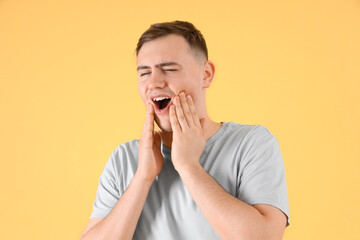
(185, 128)
(191, 74)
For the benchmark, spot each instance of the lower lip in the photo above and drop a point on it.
(162, 111)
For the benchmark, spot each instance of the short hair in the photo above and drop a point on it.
(191, 34)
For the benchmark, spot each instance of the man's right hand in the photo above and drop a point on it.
(121, 222)
(150, 158)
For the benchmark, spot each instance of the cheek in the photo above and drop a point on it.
(192, 87)
(184, 83)
(142, 91)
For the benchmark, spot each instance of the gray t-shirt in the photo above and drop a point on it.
(244, 159)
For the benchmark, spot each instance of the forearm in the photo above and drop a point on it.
(122, 220)
(230, 217)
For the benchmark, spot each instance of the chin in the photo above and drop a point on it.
(163, 124)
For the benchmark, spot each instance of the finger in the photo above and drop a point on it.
(173, 120)
(149, 121)
(180, 114)
(186, 110)
(193, 111)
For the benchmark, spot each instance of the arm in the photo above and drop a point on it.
(122, 220)
(230, 217)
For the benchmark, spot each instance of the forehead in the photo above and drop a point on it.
(169, 48)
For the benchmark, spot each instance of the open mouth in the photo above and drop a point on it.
(161, 103)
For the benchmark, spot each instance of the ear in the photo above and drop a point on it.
(208, 73)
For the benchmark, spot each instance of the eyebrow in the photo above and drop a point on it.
(160, 65)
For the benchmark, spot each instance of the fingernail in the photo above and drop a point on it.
(182, 94)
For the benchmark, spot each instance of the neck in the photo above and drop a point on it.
(210, 128)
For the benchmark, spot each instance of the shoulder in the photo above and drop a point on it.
(125, 155)
(256, 144)
(127, 147)
(245, 138)
(246, 132)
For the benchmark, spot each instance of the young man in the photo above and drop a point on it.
(194, 178)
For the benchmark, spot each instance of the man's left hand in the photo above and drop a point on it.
(188, 134)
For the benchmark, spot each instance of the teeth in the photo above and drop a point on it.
(160, 98)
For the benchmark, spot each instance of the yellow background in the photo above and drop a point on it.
(68, 98)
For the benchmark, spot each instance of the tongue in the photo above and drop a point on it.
(164, 103)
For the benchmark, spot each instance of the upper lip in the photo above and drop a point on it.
(151, 97)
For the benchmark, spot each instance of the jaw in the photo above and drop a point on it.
(163, 123)
(165, 131)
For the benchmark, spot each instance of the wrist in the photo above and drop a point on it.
(192, 168)
(147, 181)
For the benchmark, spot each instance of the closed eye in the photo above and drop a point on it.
(166, 70)
(143, 74)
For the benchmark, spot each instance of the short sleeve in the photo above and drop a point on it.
(107, 193)
(262, 173)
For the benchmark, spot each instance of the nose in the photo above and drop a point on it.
(157, 79)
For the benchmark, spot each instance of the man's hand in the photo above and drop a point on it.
(150, 158)
(188, 134)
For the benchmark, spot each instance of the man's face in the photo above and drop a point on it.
(166, 67)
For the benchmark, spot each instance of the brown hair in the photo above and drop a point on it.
(192, 35)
